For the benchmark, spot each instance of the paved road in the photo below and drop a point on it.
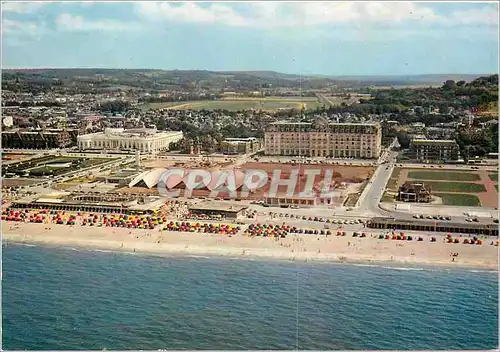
(448, 167)
(324, 99)
(373, 192)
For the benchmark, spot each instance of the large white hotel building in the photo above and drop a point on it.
(142, 139)
(338, 140)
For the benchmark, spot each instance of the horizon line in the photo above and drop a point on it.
(250, 70)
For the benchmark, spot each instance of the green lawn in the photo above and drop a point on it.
(392, 184)
(271, 103)
(496, 186)
(494, 176)
(455, 187)
(351, 200)
(459, 199)
(387, 198)
(443, 175)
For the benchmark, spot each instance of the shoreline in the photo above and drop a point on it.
(295, 248)
(394, 265)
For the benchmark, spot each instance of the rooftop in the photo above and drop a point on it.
(434, 141)
(221, 206)
(468, 225)
(247, 139)
(329, 123)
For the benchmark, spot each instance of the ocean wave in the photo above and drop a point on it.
(483, 271)
(367, 265)
(27, 244)
(102, 250)
(405, 269)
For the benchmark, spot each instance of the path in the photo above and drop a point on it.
(490, 197)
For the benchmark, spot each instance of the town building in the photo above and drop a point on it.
(433, 226)
(415, 192)
(439, 133)
(416, 128)
(234, 146)
(121, 178)
(345, 140)
(36, 139)
(94, 202)
(141, 139)
(219, 209)
(433, 150)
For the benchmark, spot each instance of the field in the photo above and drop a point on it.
(466, 188)
(443, 176)
(50, 166)
(235, 104)
(459, 199)
(456, 187)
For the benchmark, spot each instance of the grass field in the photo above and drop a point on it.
(46, 166)
(234, 104)
(392, 184)
(456, 187)
(459, 199)
(387, 198)
(443, 175)
(351, 200)
(493, 176)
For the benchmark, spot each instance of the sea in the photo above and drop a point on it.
(75, 299)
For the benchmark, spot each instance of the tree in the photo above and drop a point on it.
(161, 125)
(449, 84)
(403, 139)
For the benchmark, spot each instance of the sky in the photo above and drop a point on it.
(326, 38)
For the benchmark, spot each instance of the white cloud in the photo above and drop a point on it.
(22, 32)
(276, 14)
(70, 22)
(17, 27)
(21, 7)
(476, 16)
(191, 12)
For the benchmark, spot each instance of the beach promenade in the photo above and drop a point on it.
(295, 247)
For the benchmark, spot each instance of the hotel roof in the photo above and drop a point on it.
(329, 123)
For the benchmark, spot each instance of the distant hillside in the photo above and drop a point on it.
(428, 79)
(152, 79)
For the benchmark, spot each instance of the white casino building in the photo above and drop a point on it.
(141, 139)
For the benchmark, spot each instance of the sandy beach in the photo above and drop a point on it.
(293, 247)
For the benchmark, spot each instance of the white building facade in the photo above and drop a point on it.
(143, 140)
(337, 140)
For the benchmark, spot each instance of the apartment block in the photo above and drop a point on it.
(337, 140)
(234, 146)
(434, 150)
(36, 139)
